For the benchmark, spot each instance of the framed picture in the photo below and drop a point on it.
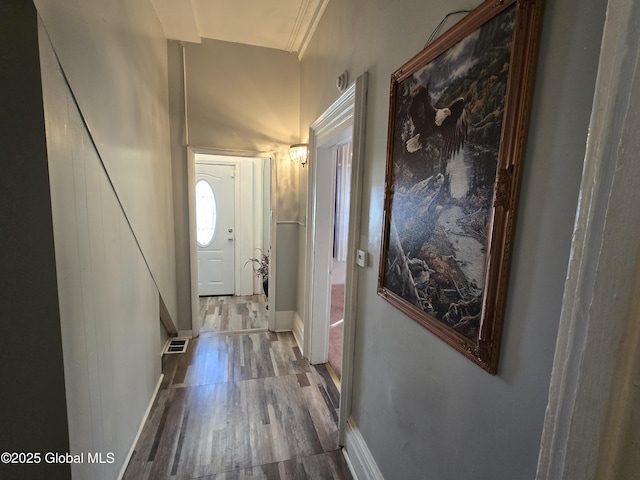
(457, 129)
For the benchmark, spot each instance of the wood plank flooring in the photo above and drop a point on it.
(241, 406)
(233, 314)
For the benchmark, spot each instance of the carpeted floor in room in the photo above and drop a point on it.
(336, 328)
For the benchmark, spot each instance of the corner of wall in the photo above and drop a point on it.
(284, 320)
(165, 318)
(298, 330)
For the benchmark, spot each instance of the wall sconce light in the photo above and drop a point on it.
(299, 153)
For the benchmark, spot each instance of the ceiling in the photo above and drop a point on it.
(282, 24)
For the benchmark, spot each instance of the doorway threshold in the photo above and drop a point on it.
(333, 375)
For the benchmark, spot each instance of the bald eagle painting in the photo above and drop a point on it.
(450, 122)
(444, 144)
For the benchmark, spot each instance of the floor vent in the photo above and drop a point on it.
(177, 345)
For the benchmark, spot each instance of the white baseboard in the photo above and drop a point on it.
(142, 423)
(359, 458)
(284, 320)
(349, 464)
(298, 330)
(185, 333)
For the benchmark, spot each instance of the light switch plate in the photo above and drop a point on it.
(361, 258)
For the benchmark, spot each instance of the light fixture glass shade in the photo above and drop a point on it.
(299, 153)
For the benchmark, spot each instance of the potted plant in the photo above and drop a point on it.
(261, 269)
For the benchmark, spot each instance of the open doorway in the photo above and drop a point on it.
(343, 121)
(329, 249)
(231, 223)
(341, 202)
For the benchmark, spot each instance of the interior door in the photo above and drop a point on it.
(215, 228)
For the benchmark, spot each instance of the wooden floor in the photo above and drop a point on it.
(233, 314)
(241, 406)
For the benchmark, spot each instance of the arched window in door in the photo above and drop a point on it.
(206, 213)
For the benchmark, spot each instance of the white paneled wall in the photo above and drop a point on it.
(114, 55)
(108, 301)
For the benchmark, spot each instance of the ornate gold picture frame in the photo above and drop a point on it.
(457, 130)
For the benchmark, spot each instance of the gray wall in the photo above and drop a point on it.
(240, 98)
(179, 179)
(33, 414)
(423, 409)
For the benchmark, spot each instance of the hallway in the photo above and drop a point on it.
(241, 405)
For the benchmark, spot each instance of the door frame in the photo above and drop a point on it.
(348, 111)
(323, 228)
(590, 424)
(193, 251)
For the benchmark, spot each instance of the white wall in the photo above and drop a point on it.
(110, 170)
(109, 304)
(423, 410)
(114, 55)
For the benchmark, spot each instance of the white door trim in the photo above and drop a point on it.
(348, 111)
(589, 425)
(193, 255)
(323, 228)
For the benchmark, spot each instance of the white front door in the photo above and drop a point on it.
(215, 228)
